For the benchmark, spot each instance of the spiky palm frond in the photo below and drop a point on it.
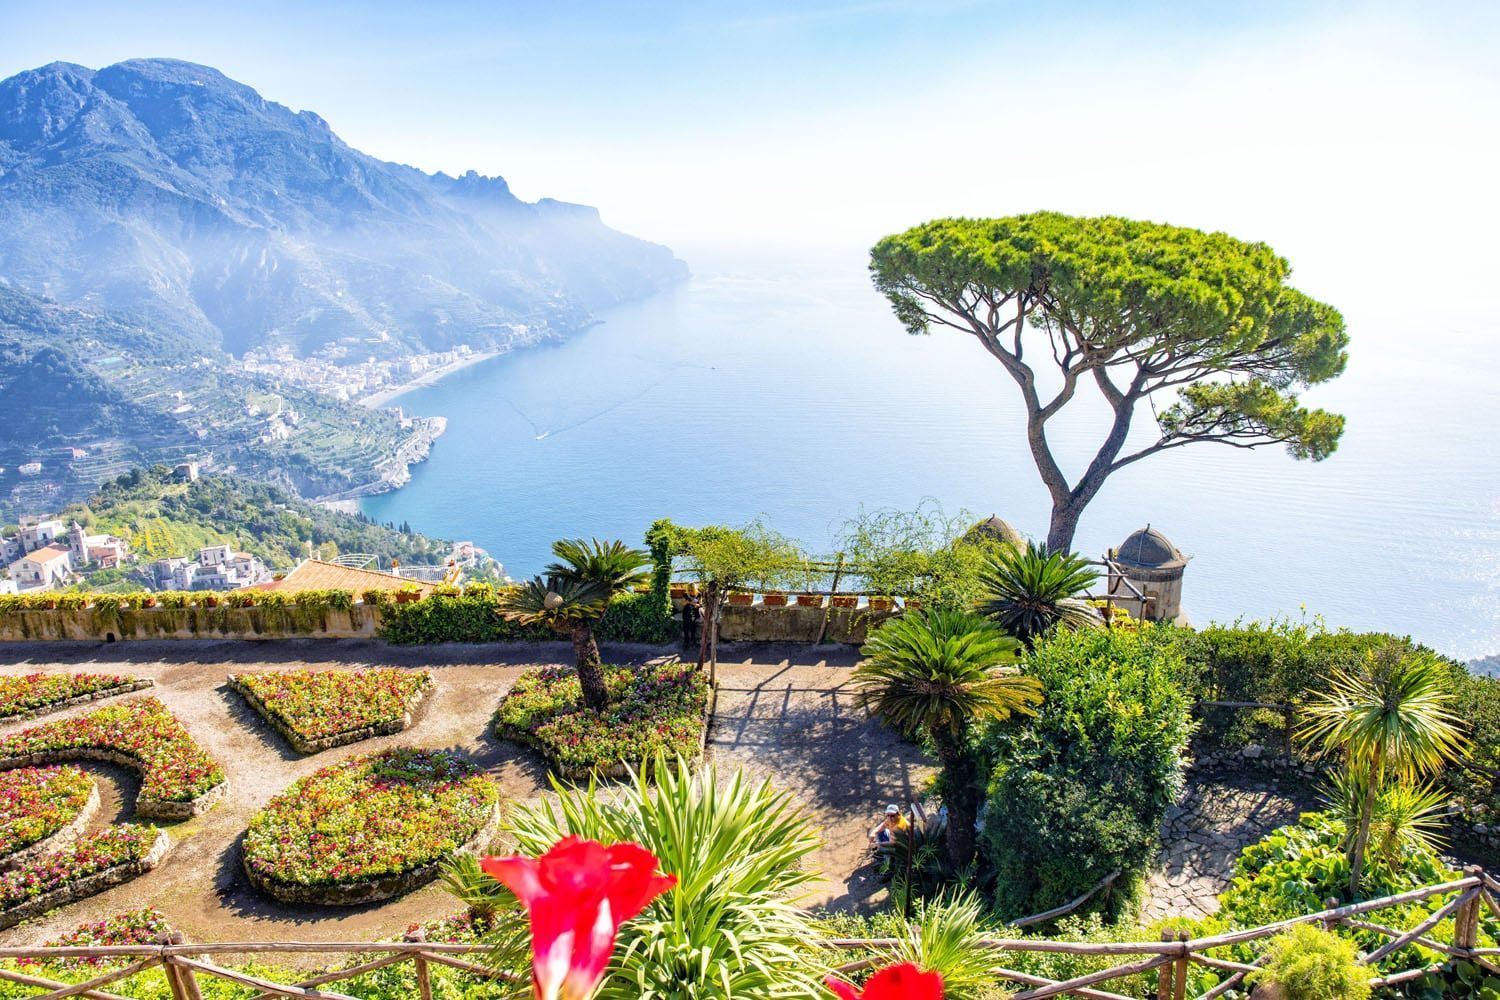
(554, 602)
(614, 565)
(731, 929)
(1389, 717)
(1406, 816)
(943, 670)
(1028, 591)
(947, 937)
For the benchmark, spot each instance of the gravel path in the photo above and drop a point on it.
(786, 715)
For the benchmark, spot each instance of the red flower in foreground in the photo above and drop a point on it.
(577, 896)
(894, 982)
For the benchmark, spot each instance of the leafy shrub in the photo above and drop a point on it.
(34, 692)
(365, 817)
(109, 848)
(173, 767)
(1309, 963)
(328, 704)
(36, 802)
(638, 617)
(1080, 791)
(730, 928)
(653, 711)
(473, 616)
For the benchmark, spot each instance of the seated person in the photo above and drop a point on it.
(885, 831)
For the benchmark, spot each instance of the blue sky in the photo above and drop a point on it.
(1318, 127)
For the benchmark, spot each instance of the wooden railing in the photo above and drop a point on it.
(1172, 958)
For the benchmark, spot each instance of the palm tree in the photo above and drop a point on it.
(941, 673)
(1029, 590)
(573, 597)
(1390, 719)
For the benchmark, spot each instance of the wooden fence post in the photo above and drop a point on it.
(1165, 973)
(424, 982)
(1181, 975)
(1466, 920)
(1329, 923)
(183, 983)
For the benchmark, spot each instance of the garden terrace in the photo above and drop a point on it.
(317, 710)
(42, 808)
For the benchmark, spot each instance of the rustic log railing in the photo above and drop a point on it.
(1172, 958)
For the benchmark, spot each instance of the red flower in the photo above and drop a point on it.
(894, 982)
(577, 896)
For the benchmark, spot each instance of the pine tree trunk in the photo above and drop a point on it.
(1063, 527)
(590, 674)
(963, 810)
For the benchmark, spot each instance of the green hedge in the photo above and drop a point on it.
(474, 616)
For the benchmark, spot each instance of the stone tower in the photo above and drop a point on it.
(1154, 565)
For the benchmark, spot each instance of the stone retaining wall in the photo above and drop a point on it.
(109, 625)
(302, 745)
(769, 623)
(139, 684)
(371, 890)
(61, 838)
(90, 886)
(145, 808)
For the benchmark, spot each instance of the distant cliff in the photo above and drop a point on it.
(165, 189)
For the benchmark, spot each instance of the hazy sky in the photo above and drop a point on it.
(1362, 140)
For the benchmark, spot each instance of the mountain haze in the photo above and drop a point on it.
(168, 190)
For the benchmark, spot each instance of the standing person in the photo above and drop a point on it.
(692, 617)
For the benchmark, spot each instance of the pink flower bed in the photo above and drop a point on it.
(39, 692)
(109, 848)
(36, 802)
(323, 706)
(173, 767)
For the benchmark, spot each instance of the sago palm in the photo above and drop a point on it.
(939, 673)
(612, 565)
(1027, 591)
(570, 607)
(1391, 720)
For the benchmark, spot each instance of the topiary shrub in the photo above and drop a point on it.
(1309, 963)
(1079, 792)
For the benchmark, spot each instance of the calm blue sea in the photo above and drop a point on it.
(791, 392)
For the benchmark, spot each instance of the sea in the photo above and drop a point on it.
(788, 392)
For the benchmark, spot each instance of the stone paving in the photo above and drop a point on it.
(1204, 833)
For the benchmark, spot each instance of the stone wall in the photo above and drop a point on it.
(769, 623)
(110, 624)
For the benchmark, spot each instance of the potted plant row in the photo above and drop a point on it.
(773, 600)
(741, 598)
(809, 600)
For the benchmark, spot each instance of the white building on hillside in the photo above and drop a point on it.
(47, 567)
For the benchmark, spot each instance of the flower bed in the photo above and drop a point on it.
(178, 778)
(42, 808)
(114, 855)
(316, 710)
(369, 827)
(23, 697)
(133, 928)
(653, 710)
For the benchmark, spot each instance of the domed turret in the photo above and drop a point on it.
(1154, 566)
(997, 530)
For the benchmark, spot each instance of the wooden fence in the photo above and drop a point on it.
(1171, 958)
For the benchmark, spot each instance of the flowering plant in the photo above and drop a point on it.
(370, 816)
(109, 848)
(32, 692)
(317, 705)
(135, 927)
(36, 802)
(904, 981)
(653, 711)
(173, 767)
(576, 896)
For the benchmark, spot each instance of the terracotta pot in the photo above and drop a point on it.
(149, 602)
(912, 604)
(49, 605)
(210, 602)
(407, 597)
(741, 599)
(679, 592)
(844, 601)
(882, 603)
(809, 600)
(773, 600)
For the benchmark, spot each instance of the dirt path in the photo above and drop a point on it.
(794, 724)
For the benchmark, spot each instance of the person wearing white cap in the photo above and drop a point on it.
(893, 823)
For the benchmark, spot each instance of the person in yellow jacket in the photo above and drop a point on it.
(885, 831)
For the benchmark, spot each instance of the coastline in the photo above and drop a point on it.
(376, 400)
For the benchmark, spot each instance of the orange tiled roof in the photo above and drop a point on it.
(315, 574)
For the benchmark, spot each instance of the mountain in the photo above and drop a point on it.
(228, 223)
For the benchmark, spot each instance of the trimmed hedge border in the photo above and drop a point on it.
(369, 890)
(145, 808)
(338, 739)
(138, 684)
(59, 838)
(90, 886)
